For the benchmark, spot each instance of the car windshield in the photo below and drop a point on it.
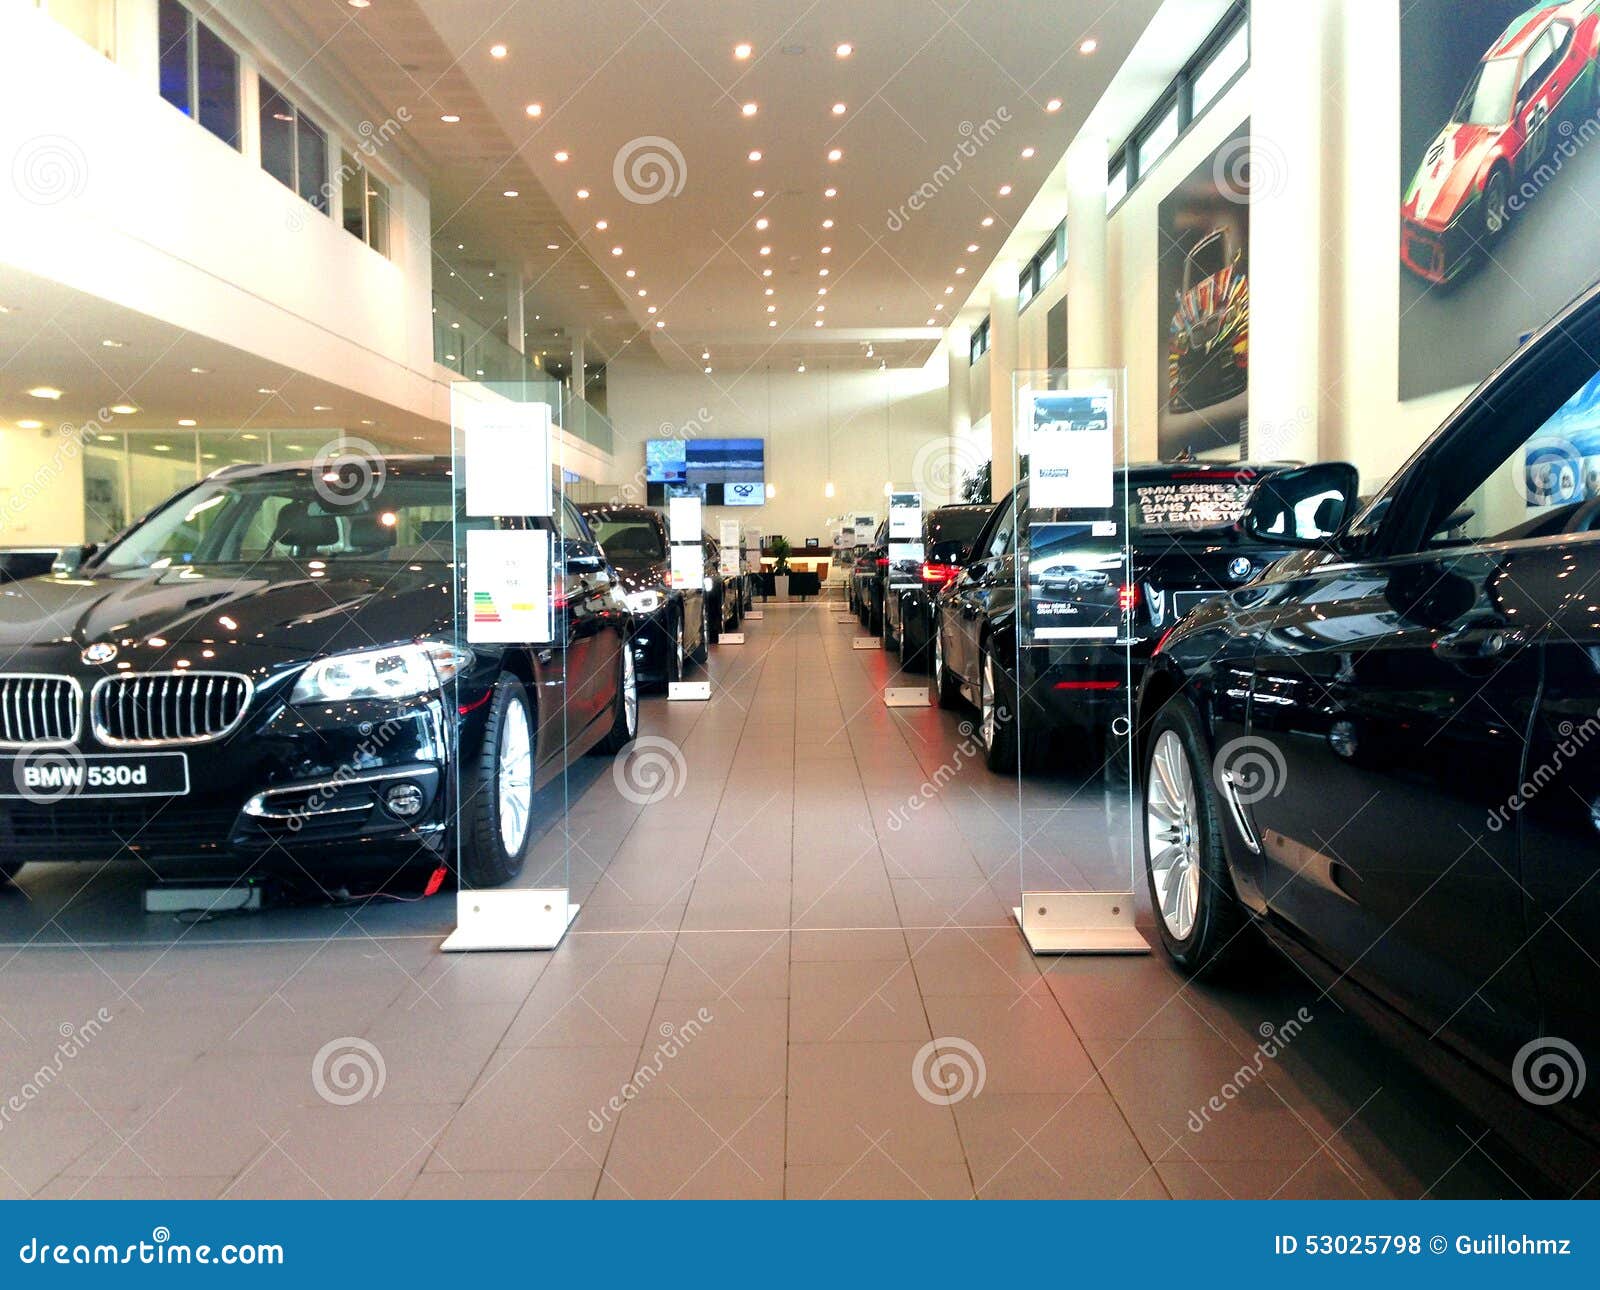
(285, 516)
(1489, 94)
(625, 537)
(952, 533)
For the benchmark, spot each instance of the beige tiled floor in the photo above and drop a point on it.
(775, 965)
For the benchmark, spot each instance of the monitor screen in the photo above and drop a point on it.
(735, 466)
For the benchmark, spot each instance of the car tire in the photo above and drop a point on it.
(997, 714)
(1199, 918)
(1496, 196)
(875, 615)
(625, 707)
(499, 777)
(677, 659)
(913, 647)
(702, 651)
(947, 687)
(9, 869)
(713, 631)
(891, 639)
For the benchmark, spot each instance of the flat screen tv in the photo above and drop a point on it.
(723, 472)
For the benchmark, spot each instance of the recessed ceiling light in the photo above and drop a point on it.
(631, 273)
(772, 309)
(30, 425)
(749, 109)
(838, 109)
(971, 247)
(563, 156)
(643, 291)
(1054, 105)
(821, 309)
(827, 223)
(534, 109)
(602, 225)
(767, 292)
(819, 322)
(321, 407)
(766, 250)
(772, 322)
(801, 368)
(511, 192)
(661, 322)
(949, 291)
(583, 194)
(189, 421)
(359, 4)
(827, 250)
(1027, 153)
(822, 291)
(650, 309)
(616, 250)
(742, 50)
(450, 118)
(162, 447)
(264, 390)
(108, 343)
(552, 246)
(844, 50)
(830, 192)
(960, 270)
(124, 409)
(201, 371)
(708, 370)
(933, 322)
(762, 222)
(835, 153)
(44, 392)
(766, 273)
(1005, 190)
(759, 193)
(1089, 46)
(498, 51)
(822, 273)
(987, 221)
(755, 154)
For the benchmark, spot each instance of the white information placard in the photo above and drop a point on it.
(1071, 449)
(684, 519)
(730, 547)
(688, 566)
(506, 454)
(508, 586)
(905, 517)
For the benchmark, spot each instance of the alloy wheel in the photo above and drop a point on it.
(677, 648)
(514, 778)
(630, 692)
(986, 704)
(1171, 834)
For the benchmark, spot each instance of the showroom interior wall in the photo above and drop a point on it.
(882, 419)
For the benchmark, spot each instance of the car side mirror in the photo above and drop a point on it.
(1303, 508)
(73, 558)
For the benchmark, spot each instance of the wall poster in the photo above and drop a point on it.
(1499, 102)
(1203, 229)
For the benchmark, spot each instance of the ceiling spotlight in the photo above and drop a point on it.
(124, 409)
(200, 371)
(772, 490)
(827, 250)
(30, 425)
(844, 50)
(960, 269)
(766, 273)
(631, 273)
(772, 309)
(987, 221)
(583, 194)
(189, 421)
(510, 192)
(1027, 153)
(1005, 190)
(822, 273)
(819, 322)
(741, 51)
(563, 156)
(830, 192)
(534, 109)
(708, 369)
(552, 246)
(650, 309)
(838, 109)
(660, 322)
(822, 291)
(801, 368)
(834, 154)
(602, 225)
(705, 354)
(643, 292)
(762, 222)
(321, 407)
(498, 51)
(1089, 46)
(933, 322)
(749, 109)
(827, 223)
(949, 291)
(108, 343)
(44, 392)
(822, 309)
(616, 250)
(1054, 105)
(450, 118)
(772, 322)
(759, 193)
(971, 247)
(359, 4)
(755, 154)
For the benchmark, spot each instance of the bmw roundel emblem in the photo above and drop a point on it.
(100, 652)
(1239, 568)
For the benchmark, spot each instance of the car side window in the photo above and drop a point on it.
(1546, 484)
(1004, 531)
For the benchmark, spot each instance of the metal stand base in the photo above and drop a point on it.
(865, 642)
(688, 691)
(731, 638)
(1079, 922)
(907, 696)
(530, 919)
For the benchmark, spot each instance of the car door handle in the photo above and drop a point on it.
(1479, 644)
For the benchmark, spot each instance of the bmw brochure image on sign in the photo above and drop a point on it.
(1070, 449)
(508, 586)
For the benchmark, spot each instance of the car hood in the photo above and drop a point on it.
(640, 575)
(283, 609)
(1446, 182)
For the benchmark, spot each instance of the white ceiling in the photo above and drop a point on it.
(928, 85)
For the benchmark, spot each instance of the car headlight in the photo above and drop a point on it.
(644, 602)
(708, 584)
(397, 672)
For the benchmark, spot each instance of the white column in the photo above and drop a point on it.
(958, 344)
(516, 335)
(139, 42)
(1287, 69)
(1088, 297)
(1002, 370)
(579, 380)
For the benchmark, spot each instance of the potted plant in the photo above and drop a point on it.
(780, 568)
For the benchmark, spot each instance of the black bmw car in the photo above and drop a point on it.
(912, 595)
(668, 624)
(270, 668)
(1384, 756)
(867, 579)
(725, 592)
(1039, 627)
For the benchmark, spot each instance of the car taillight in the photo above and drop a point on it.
(940, 573)
(1128, 597)
(883, 562)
